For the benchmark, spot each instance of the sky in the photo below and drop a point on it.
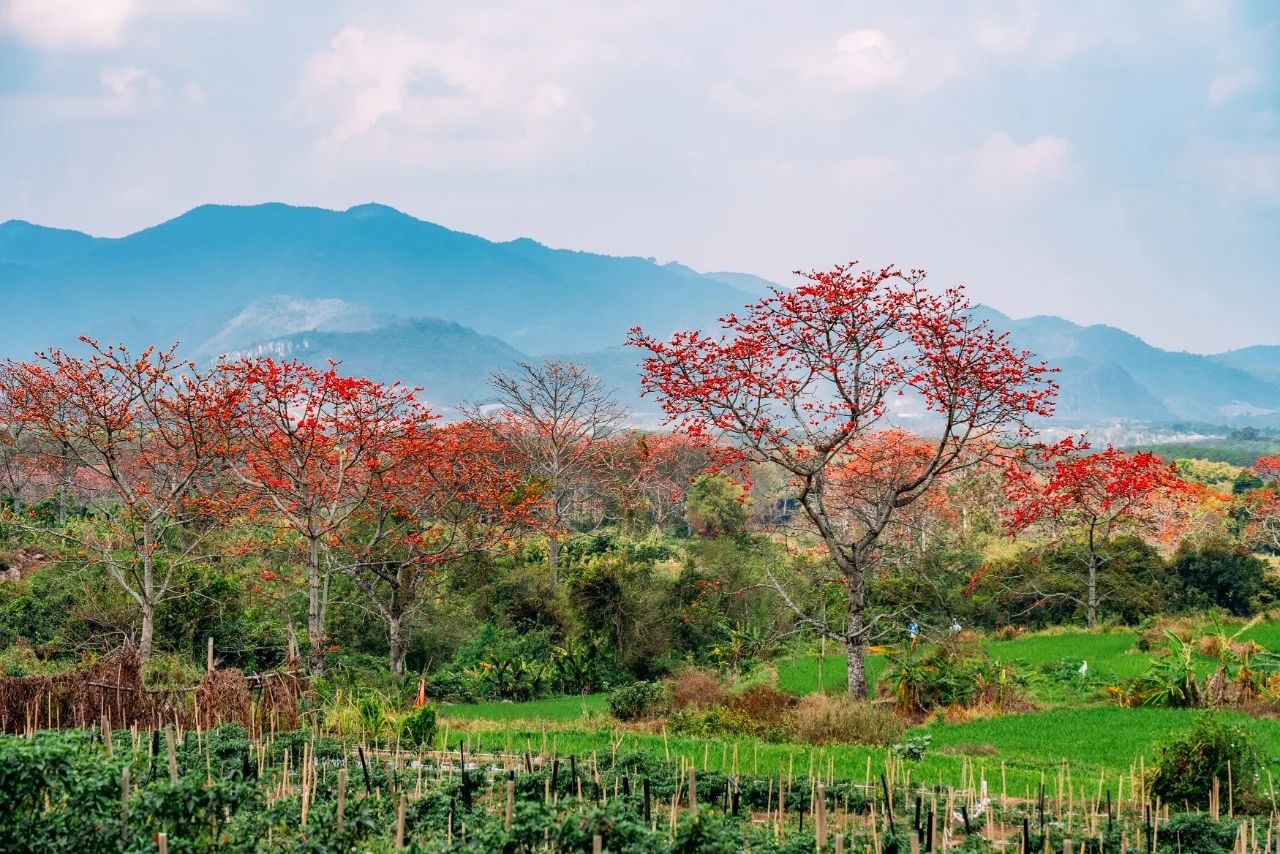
(1108, 162)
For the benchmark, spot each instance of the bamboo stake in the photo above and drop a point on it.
(306, 800)
(124, 796)
(400, 807)
(342, 800)
(173, 759)
(820, 817)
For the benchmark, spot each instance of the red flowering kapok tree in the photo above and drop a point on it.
(805, 377)
(310, 449)
(1260, 508)
(1070, 491)
(139, 437)
(454, 491)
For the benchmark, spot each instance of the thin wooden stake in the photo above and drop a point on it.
(400, 807)
(173, 758)
(342, 800)
(124, 796)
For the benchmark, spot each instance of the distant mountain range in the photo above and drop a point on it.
(395, 297)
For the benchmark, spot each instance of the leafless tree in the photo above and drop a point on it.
(556, 415)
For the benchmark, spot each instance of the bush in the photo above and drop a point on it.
(418, 727)
(1190, 761)
(1198, 833)
(913, 748)
(693, 687)
(638, 700)
(819, 719)
(765, 704)
(718, 722)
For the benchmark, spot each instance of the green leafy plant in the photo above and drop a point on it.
(373, 711)
(637, 701)
(1171, 679)
(1191, 760)
(913, 748)
(418, 727)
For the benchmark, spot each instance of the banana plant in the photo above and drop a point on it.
(1172, 678)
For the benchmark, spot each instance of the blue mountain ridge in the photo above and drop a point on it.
(400, 298)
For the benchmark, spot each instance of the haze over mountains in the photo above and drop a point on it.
(394, 297)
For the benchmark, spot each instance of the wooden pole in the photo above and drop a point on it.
(173, 758)
(511, 803)
(820, 817)
(162, 842)
(209, 662)
(124, 795)
(342, 799)
(400, 807)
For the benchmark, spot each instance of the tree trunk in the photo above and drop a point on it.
(148, 627)
(1091, 606)
(853, 642)
(315, 630)
(553, 556)
(397, 645)
(147, 600)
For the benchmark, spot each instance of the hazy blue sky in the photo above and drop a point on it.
(1107, 161)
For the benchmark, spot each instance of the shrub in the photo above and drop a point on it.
(765, 704)
(1153, 632)
(957, 673)
(1190, 761)
(418, 727)
(1198, 833)
(693, 687)
(717, 722)
(913, 748)
(819, 719)
(638, 700)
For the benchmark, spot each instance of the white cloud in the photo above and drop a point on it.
(1026, 36)
(1006, 165)
(1005, 38)
(1226, 86)
(1240, 173)
(415, 98)
(67, 23)
(127, 82)
(92, 24)
(866, 60)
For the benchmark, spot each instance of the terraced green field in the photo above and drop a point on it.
(1095, 739)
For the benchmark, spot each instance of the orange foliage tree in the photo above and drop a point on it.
(454, 491)
(311, 450)
(804, 377)
(141, 436)
(1068, 490)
